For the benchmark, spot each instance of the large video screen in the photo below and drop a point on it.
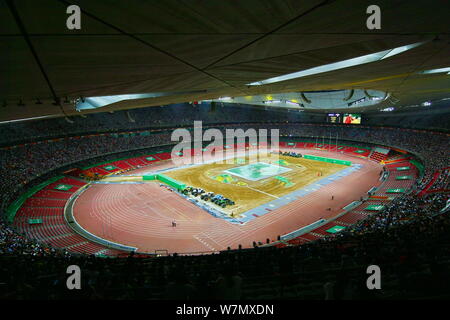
(352, 118)
(334, 118)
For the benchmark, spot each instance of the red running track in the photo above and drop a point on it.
(141, 215)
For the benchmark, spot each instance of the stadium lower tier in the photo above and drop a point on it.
(109, 209)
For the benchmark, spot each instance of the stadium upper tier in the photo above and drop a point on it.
(185, 114)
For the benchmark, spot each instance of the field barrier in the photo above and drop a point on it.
(329, 160)
(351, 205)
(163, 178)
(372, 190)
(301, 231)
(419, 166)
(76, 227)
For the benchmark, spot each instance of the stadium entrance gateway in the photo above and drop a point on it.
(217, 150)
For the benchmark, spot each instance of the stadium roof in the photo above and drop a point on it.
(178, 51)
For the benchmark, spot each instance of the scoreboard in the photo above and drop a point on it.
(345, 118)
(334, 118)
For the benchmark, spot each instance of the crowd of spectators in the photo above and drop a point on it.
(146, 118)
(413, 256)
(184, 114)
(401, 210)
(429, 146)
(20, 165)
(442, 181)
(13, 243)
(382, 236)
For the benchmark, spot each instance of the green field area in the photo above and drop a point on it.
(257, 171)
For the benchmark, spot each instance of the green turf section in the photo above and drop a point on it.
(329, 160)
(335, 229)
(282, 162)
(224, 178)
(35, 221)
(375, 207)
(150, 159)
(395, 190)
(257, 171)
(419, 166)
(403, 168)
(63, 187)
(286, 181)
(360, 151)
(403, 178)
(109, 168)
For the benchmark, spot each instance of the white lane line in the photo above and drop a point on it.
(205, 244)
(268, 194)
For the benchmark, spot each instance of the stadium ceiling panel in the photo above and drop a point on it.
(355, 61)
(198, 50)
(313, 100)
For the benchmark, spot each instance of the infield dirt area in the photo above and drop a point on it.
(247, 193)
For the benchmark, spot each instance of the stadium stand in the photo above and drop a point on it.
(91, 90)
(298, 267)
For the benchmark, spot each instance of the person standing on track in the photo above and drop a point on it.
(174, 223)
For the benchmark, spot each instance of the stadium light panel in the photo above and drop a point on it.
(292, 103)
(339, 65)
(98, 102)
(402, 49)
(440, 70)
(272, 101)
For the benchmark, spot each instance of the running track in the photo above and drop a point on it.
(140, 215)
